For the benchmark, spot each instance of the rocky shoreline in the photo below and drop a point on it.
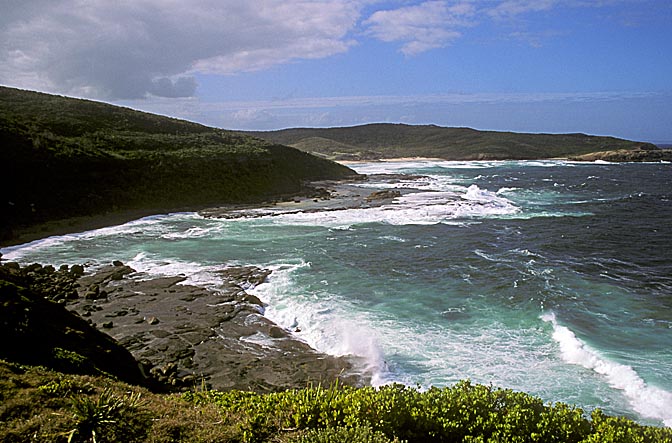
(627, 156)
(185, 336)
(329, 195)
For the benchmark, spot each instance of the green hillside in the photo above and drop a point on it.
(65, 157)
(398, 140)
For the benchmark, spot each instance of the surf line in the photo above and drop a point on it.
(648, 401)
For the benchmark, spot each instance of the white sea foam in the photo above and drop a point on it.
(146, 226)
(505, 190)
(195, 273)
(416, 208)
(649, 401)
(193, 232)
(386, 167)
(323, 320)
(338, 326)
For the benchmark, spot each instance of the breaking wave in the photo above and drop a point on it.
(649, 401)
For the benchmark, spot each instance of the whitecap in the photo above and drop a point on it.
(417, 208)
(325, 321)
(649, 401)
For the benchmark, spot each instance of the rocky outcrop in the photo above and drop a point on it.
(628, 155)
(386, 194)
(38, 331)
(181, 336)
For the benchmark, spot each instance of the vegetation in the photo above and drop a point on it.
(37, 331)
(65, 157)
(37, 404)
(377, 141)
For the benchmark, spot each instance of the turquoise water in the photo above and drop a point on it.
(550, 277)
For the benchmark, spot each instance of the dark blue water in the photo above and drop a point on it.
(550, 277)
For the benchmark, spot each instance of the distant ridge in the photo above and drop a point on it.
(383, 140)
(63, 157)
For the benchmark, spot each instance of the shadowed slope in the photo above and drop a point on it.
(65, 157)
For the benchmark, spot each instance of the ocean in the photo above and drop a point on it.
(549, 277)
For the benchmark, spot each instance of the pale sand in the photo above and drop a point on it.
(391, 160)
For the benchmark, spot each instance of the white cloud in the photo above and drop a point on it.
(512, 8)
(128, 49)
(421, 27)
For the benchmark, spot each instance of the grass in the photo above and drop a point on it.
(37, 404)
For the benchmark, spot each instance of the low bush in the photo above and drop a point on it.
(38, 404)
(342, 434)
(465, 412)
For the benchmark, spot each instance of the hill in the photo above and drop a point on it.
(65, 157)
(379, 141)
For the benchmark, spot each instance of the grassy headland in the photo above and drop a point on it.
(65, 158)
(382, 140)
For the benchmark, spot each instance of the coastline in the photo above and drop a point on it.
(264, 337)
(181, 335)
(26, 234)
(74, 225)
(185, 335)
(392, 160)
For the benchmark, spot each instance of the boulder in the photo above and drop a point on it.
(383, 195)
(77, 270)
(246, 277)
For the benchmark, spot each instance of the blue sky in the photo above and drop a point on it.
(599, 67)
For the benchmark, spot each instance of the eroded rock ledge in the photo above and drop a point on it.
(188, 336)
(628, 155)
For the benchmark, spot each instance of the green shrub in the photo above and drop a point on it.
(464, 412)
(108, 418)
(621, 430)
(64, 387)
(342, 435)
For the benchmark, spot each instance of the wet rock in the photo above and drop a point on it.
(252, 299)
(32, 268)
(277, 332)
(77, 270)
(385, 194)
(152, 321)
(12, 265)
(214, 337)
(246, 277)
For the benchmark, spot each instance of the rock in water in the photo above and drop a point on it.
(383, 195)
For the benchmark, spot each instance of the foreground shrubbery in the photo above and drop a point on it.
(463, 413)
(37, 404)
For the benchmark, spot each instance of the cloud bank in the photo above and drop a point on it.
(129, 49)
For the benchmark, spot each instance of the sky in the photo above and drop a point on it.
(600, 67)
